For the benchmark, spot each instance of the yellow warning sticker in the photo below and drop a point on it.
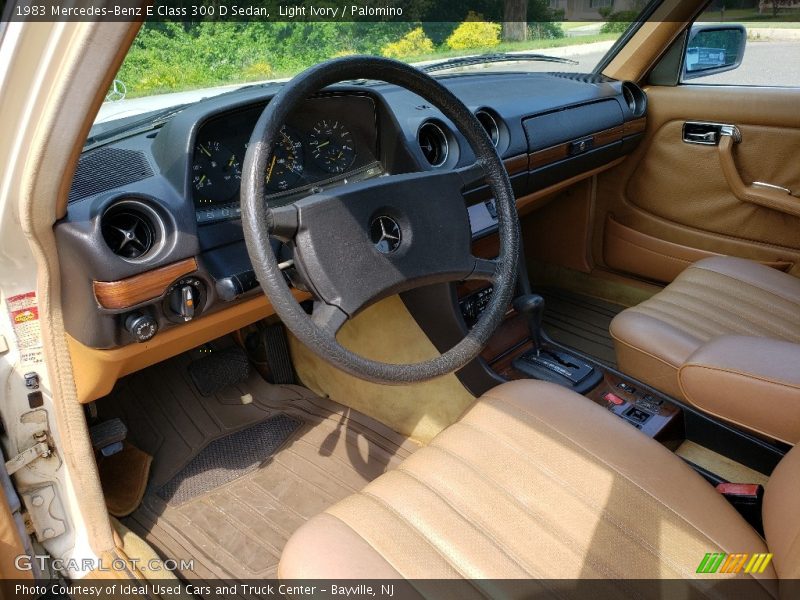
(24, 312)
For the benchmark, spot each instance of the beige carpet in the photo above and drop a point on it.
(719, 465)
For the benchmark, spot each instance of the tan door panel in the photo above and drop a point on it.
(11, 546)
(626, 249)
(759, 192)
(678, 193)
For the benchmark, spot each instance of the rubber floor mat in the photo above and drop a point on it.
(581, 322)
(228, 458)
(236, 529)
(168, 417)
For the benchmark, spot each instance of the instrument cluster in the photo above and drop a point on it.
(328, 141)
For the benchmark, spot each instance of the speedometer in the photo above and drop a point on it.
(285, 167)
(332, 146)
(216, 172)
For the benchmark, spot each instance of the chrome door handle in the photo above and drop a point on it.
(709, 134)
(701, 138)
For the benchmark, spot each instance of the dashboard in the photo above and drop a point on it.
(152, 238)
(328, 141)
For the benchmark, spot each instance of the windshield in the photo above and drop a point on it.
(173, 63)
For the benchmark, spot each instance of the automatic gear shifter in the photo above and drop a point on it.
(531, 306)
(545, 361)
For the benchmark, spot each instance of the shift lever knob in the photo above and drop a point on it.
(532, 307)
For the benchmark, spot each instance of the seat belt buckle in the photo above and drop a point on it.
(746, 498)
(742, 492)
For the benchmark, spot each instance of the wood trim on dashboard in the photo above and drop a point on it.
(608, 136)
(140, 288)
(540, 158)
(544, 157)
(516, 164)
(635, 126)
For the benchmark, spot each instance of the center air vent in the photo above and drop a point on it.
(131, 229)
(433, 143)
(489, 124)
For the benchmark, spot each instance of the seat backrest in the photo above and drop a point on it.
(782, 515)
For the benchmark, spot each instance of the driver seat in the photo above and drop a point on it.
(535, 481)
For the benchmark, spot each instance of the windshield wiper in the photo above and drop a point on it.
(133, 125)
(480, 59)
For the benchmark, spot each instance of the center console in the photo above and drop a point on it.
(520, 349)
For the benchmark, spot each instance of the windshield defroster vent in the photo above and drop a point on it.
(131, 229)
(108, 168)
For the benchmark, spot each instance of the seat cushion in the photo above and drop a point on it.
(534, 481)
(713, 297)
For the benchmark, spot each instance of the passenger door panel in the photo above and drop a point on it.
(671, 203)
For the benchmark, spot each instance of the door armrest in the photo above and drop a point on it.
(768, 196)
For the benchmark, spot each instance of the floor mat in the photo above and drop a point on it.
(236, 528)
(124, 477)
(169, 418)
(228, 458)
(581, 322)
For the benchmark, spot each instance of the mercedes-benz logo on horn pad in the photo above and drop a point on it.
(385, 234)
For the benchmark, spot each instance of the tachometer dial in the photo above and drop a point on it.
(216, 172)
(332, 146)
(285, 167)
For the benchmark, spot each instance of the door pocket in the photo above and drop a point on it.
(637, 253)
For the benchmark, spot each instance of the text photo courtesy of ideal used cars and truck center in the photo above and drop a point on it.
(400, 299)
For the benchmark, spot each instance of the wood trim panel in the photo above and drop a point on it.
(140, 288)
(609, 136)
(512, 339)
(543, 157)
(549, 155)
(635, 126)
(516, 164)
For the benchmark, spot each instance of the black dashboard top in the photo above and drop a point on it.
(183, 177)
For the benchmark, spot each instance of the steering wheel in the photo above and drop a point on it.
(358, 243)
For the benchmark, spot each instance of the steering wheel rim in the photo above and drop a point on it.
(259, 221)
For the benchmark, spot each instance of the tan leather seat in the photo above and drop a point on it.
(714, 297)
(535, 481)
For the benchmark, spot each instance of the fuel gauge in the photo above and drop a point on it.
(216, 172)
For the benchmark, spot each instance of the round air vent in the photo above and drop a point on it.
(433, 143)
(489, 124)
(131, 229)
(635, 98)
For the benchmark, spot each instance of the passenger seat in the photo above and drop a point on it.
(725, 337)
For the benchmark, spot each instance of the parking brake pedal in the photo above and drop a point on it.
(107, 437)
